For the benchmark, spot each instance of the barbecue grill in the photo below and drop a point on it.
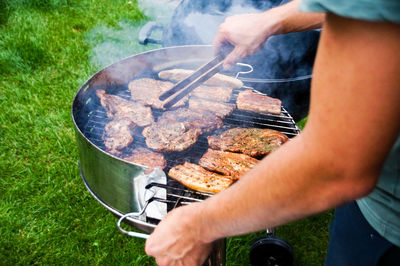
(139, 197)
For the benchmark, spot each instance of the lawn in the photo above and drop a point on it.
(48, 48)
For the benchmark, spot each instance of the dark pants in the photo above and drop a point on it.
(354, 242)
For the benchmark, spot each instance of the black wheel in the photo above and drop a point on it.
(271, 250)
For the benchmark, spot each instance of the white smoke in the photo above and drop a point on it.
(110, 44)
(158, 10)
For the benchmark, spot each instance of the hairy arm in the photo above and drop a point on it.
(352, 125)
(353, 122)
(248, 32)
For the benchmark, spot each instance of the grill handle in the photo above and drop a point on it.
(146, 31)
(132, 233)
(135, 215)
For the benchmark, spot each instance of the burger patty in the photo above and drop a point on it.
(254, 142)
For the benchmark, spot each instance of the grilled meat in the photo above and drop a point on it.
(179, 129)
(216, 80)
(227, 163)
(117, 107)
(147, 158)
(118, 134)
(205, 121)
(212, 93)
(254, 142)
(148, 91)
(220, 109)
(166, 135)
(250, 101)
(195, 177)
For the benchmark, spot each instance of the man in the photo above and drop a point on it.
(345, 148)
(280, 57)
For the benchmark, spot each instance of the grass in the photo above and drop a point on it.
(48, 48)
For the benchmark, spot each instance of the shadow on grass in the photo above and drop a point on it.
(4, 12)
(23, 55)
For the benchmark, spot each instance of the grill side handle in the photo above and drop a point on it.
(132, 233)
(146, 32)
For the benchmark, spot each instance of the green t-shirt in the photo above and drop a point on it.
(373, 10)
(381, 208)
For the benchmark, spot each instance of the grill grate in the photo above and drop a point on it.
(177, 194)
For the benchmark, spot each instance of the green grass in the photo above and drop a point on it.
(48, 48)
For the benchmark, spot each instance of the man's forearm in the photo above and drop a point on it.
(289, 19)
(352, 125)
(338, 156)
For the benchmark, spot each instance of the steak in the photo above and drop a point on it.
(177, 75)
(220, 109)
(227, 163)
(118, 134)
(205, 121)
(117, 107)
(254, 142)
(250, 101)
(147, 158)
(167, 135)
(196, 177)
(220, 94)
(179, 129)
(148, 91)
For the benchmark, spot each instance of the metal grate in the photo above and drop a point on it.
(177, 194)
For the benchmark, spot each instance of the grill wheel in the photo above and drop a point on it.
(271, 250)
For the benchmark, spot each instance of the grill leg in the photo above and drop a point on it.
(217, 255)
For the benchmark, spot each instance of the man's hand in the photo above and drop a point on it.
(177, 240)
(247, 32)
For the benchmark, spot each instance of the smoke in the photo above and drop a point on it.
(158, 10)
(110, 44)
(205, 25)
(189, 22)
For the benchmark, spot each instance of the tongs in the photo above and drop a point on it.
(198, 77)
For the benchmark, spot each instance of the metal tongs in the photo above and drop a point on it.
(198, 77)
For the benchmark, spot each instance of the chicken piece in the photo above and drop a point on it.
(227, 163)
(250, 101)
(196, 177)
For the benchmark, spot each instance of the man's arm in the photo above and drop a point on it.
(248, 32)
(353, 122)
